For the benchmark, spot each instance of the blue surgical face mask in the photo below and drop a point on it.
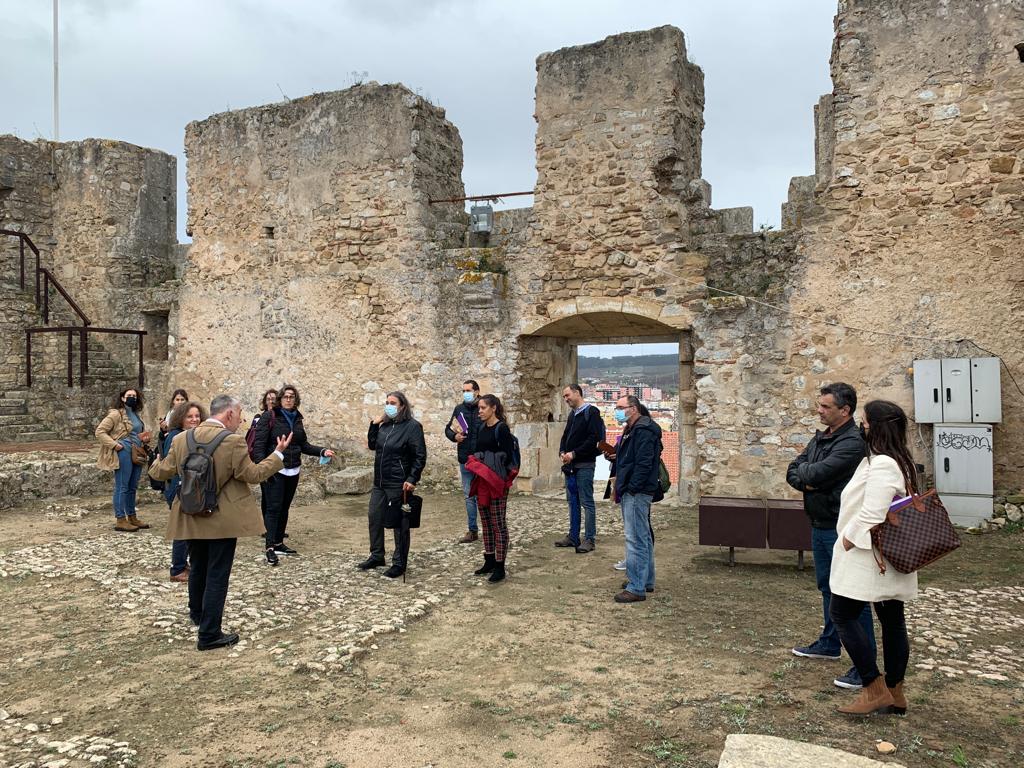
(390, 410)
(620, 415)
(468, 397)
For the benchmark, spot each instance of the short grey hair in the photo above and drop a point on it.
(222, 403)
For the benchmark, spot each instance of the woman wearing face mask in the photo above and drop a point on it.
(120, 429)
(886, 472)
(400, 454)
(280, 421)
(493, 474)
(187, 415)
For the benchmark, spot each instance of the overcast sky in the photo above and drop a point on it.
(139, 70)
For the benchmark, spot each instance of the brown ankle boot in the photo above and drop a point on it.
(899, 701)
(124, 525)
(873, 699)
(136, 522)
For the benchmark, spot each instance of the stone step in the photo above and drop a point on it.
(17, 420)
(35, 437)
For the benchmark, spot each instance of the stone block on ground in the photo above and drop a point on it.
(753, 751)
(351, 480)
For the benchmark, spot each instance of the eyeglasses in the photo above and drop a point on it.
(288, 397)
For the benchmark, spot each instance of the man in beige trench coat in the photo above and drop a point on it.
(212, 539)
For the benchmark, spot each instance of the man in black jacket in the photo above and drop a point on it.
(637, 461)
(820, 473)
(584, 429)
(466, 447)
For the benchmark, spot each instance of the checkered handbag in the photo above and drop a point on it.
(914, 534)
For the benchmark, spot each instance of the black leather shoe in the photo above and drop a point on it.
(221, 642)
(369, 563)
(272, 557)
(394, 572)
(284, 549)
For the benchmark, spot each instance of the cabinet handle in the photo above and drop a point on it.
(945, 464)
(949, 395)
(935, 394)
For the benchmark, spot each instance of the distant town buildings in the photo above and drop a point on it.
(662, 405)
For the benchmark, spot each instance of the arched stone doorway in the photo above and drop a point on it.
(548, 361)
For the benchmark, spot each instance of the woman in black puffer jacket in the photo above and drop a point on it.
(401, 454)
(284, 418)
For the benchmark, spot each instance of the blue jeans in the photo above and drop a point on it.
(823, 541)
(579, 492)
(467, 480)
(636, 517)
(126, 483)
(179, 556)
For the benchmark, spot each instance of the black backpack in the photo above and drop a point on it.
(197, 494)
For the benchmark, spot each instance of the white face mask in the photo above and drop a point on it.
(468, 397)
(390, 410)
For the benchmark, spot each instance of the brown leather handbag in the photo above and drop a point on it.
(914, 534)
(139, 455)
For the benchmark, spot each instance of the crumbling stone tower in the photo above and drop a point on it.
(313, 252)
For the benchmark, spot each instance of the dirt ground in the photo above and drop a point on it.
(341, 668)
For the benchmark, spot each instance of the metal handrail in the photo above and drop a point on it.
(42, 290)
(83, 349)
(48, 278)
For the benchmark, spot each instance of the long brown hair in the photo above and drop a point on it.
(495, 402)
(887, 435)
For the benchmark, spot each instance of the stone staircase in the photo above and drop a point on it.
(17, 425)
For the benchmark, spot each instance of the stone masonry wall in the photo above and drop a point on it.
(316, 257)
(915, 230)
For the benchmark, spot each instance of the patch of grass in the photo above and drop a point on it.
(666, 750)
(334, 764)
(509, 755)
(1011, 720)
(596, 725)
(569, 719)
(601, 670)
(958, 757)
(270, 727)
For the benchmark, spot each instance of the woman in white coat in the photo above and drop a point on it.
(887, 472)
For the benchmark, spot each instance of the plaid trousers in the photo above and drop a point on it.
(495, 528)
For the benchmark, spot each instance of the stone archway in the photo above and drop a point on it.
(549, 361)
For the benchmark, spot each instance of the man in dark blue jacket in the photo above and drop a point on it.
(636, 483)
(466, 447)
(820, 473)
(584, 429)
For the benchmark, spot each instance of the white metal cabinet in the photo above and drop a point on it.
(927, 391)
(963, 459)
(986, 394)
(956, 390)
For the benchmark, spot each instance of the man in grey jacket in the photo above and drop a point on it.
(820, 473)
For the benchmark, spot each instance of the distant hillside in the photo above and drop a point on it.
(656, 370)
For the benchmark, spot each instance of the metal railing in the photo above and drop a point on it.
(83, 349)
(44, 278)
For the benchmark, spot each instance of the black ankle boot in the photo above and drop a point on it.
(487, 567)
(498, 574)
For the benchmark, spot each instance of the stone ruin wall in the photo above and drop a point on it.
(103, 216)
(364, 286)
(341, 299)
(921, 222)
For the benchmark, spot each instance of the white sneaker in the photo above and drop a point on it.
(620, 566)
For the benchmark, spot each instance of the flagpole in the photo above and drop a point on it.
(56, 79)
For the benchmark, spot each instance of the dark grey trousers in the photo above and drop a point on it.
(379, 498)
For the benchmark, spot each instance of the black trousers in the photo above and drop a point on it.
(379, 499)
(895, 643)
(208, 583)
(279, 491)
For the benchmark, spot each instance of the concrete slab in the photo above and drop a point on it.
(744, 750)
